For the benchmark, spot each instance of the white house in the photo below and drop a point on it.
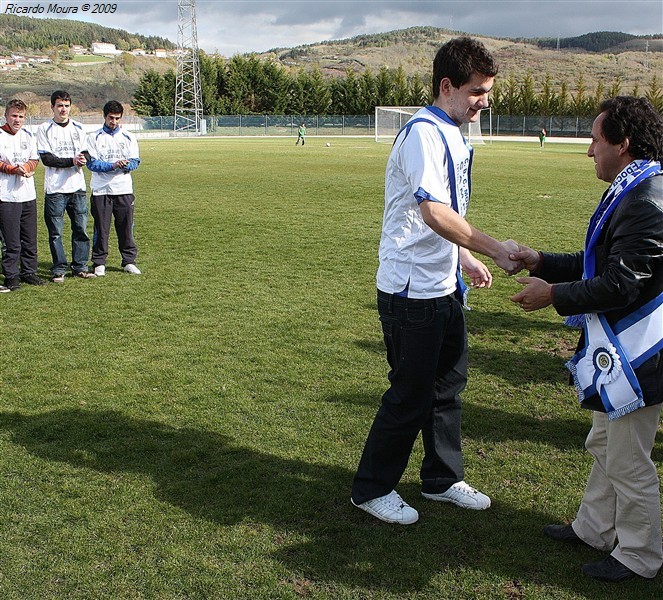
(104, 48)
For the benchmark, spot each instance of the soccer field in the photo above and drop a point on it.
(193, 432)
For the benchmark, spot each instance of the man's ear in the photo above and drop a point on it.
(445, 86)
(624, 146)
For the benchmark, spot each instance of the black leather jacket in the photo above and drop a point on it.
(629, 273)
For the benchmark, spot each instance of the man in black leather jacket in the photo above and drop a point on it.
(616, 283)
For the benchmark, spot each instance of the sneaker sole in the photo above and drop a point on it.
(439, 498)
(380, 517)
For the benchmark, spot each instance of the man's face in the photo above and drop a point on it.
(609, 159)
(112, 121)
(15, 118)
(464, 103)
(61, 110)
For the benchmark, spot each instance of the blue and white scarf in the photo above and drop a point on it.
(606, 364)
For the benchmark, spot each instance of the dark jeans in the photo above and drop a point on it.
(75, 205)
(121, 208)
(18, 223)
(426, 344)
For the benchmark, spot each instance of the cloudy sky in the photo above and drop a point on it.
(231, 26)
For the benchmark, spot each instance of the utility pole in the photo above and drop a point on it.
(188, 91)
(647, 55)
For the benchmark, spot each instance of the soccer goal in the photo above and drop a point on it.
(389, 120)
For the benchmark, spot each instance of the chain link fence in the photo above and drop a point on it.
(328, 125)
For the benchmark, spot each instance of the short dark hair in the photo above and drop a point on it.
(458, 59)
(113, 107)
(59, 95)
(16, 104)
(635, 119)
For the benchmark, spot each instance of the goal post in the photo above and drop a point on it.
(389, 120)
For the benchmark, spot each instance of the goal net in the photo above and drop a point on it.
(389, 120)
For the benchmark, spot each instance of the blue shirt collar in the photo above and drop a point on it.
(442, 115)
(111, 131)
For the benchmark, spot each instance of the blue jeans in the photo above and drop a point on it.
(75, 205)
(426, 343)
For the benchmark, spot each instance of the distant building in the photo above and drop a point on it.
(160, 52)
(104, 48)
(76, 49)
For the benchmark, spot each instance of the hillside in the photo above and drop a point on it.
(90, 84)
(25, 34)
(632, 60)
(415, 47)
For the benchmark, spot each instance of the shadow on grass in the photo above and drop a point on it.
(211, 477)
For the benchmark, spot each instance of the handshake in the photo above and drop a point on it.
(513, 258)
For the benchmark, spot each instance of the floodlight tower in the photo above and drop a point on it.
(188, 92)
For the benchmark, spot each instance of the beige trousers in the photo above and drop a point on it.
(622, 499)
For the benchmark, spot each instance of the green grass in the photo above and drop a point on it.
(193, 432)
(88, 58)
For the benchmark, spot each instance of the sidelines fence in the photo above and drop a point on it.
(327, 125)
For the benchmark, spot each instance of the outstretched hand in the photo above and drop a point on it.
(536, 295)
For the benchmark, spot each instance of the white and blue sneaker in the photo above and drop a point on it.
(131, 268)
(462, 495)
(390, 509)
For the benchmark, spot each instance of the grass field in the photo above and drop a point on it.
(193, 432)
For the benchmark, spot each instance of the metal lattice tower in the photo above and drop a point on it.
(188, 91)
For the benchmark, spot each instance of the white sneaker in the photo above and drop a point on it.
(462, 495)
(100, 270)
(390, 509)
(131, 268)
(4, 289)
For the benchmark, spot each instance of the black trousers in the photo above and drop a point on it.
(426, 344)
(18, 223)
(120, 208)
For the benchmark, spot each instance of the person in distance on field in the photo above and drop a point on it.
(615, 286)
(301, 134)
(425, 240)
(542, 138)
(62, 144)
(113, 156)
(18, 198)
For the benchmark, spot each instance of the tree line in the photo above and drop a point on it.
(25, 33)
(597, 41)
(245, 84)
